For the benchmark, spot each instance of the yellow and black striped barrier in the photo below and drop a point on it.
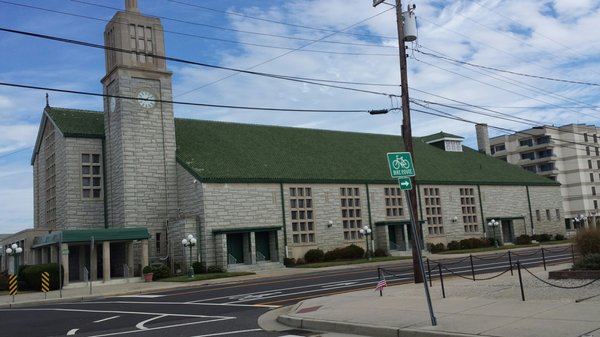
(45, 282)
(12, 284)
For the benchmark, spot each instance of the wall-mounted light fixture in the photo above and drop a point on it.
(329, 223)
(455, 219)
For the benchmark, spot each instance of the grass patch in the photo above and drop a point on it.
(200, 277)
(346, 262)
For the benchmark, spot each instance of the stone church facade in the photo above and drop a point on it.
(119, 189)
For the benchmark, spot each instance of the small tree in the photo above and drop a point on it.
(587, 241)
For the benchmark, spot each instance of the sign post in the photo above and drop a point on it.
(401, 167)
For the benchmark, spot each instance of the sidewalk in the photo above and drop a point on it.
(483, 308)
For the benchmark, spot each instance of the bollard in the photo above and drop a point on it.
(520, 280)
(45, 283)
(379, 279)
(544, 258)
(472, 267)
(442, 280)
(510, 263)
(429, 272)
(12, 286)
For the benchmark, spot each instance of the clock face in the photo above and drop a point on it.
(146, 99)
(112, 104)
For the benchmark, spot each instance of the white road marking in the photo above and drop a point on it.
(141, 324)
(106, 319)
(252, 296)
(338, 285)
(190, 303)
(130, 313)
(72, 332)
(167, 327)
(143, 296)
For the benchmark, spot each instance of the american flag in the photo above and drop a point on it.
(381, 284)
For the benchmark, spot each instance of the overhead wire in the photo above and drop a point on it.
(174, 59)
(87, 93)
(212, 38)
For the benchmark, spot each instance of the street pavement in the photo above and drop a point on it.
(484, 308)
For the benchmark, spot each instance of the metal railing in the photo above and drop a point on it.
(260, 257)
(231, 259)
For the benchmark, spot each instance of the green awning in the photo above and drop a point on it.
(85, 235)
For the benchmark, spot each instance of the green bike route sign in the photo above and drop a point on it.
(401, 164)
(405, 183)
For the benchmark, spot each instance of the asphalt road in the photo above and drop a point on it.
(232, 309)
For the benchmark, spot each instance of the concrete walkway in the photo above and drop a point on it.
(482, 308)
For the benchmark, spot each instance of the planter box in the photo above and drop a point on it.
(574, 274)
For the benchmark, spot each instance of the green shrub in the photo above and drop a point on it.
(352, 252)
(30, 277)
(160, 271)
(541, 237)
(289, 262)
(300, 261)
(331, 255)
(523, 239)
(379, 253)
(198, 268)
(587, 241)
(588, 262)
(314, 255)
(472, 243)
(436, 247)
(147, 270)
(559, 237)
(215, 270)
(453, 245)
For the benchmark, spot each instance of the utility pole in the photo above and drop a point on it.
(407, 138)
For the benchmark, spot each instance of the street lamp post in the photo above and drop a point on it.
(578, 221)
(190, 242)
(366, 231)
(13, 251)
(493, 224)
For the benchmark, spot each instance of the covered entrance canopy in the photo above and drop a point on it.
(88, 254)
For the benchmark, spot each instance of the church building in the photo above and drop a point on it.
(119, 189)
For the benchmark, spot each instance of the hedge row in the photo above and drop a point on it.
(30, 277)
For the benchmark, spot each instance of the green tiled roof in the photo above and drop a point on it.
(222, 152)
(78, 123)
(231, 152)
(439, 135)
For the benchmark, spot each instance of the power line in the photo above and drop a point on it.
(505, 71)
(87, 93)
(15, 152)
(227, 29)
(285, 54)
(275, 21)
(167, 58)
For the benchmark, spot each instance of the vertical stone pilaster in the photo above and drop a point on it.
(94, 263)
(65, 262)
(82, 256)
(130, 258)
(145, 258)
(106, 261)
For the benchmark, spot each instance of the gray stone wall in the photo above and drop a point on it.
(191, 209)
(79, 212)
(546, 199)
(141, 152)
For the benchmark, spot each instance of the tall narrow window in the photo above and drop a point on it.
(538, 217)
(303, 221)
(351, 212)
(157, 243)
(433, 211)
(548, 214)
(91, 176)
(393, 202)
(469, 211)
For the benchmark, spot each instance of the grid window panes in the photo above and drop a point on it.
(351, 212)
(393, 202)
(303, 219)
(141, 41)
(433, 211)
(91, 177)
(469, 211)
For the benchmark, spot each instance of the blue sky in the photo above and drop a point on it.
(556, 39)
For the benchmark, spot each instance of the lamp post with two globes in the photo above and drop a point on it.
(366, 231)
(190, 242)
(493, 224)
(13, 251)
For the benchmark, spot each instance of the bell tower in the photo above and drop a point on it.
(138, 123)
